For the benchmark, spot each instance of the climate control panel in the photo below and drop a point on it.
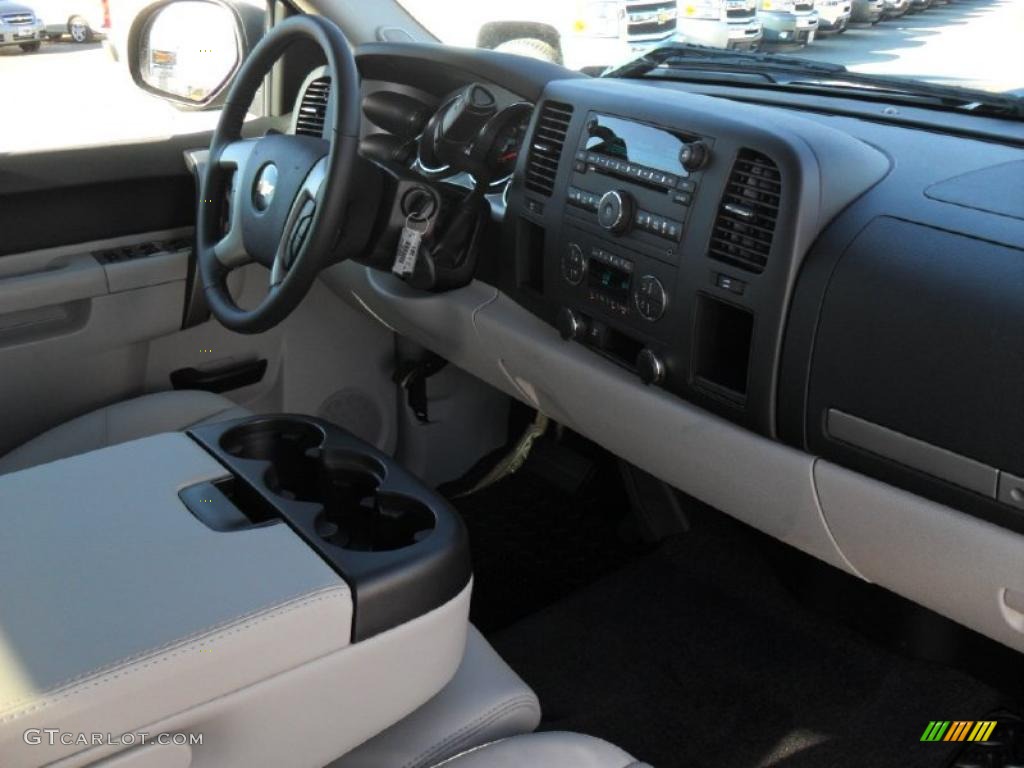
(613, 281)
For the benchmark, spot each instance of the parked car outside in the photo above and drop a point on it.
(20, 26)
(721, 23)
(921, 5)
(833, 16)
(82, 20)
(867, 11)
(788, 21)
(893, 9)
(590, 33)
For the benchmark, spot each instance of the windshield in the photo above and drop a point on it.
(971, 44)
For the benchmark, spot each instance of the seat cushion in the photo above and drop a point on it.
(546, 750)
(485, 701)
(121, 422)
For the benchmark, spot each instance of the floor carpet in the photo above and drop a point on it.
(694, 656)
(533, 542)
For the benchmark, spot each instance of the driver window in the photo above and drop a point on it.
(65, 78)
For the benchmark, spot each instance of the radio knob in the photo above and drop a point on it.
(650, 367)
(694, 155)
(571, 325)
(615, 211)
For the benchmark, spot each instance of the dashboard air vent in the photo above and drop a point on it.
(546, 147)
(313, 108)
(746, 219)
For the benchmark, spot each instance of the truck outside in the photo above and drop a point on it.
(576, 33)
(833, 16)
(788, 21)
(720, 23)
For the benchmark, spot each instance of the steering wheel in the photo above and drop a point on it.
(290, 193)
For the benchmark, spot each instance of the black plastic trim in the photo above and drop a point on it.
(917, 454)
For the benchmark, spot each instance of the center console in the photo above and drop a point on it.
(274, 584)
(664, 232)
(628, 202)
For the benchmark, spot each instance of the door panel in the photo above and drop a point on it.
(80, 330)
(94, 265)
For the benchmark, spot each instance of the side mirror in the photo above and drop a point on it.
(189, 51)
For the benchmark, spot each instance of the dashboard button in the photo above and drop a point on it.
(731, 284)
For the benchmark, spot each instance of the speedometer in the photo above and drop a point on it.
(509, 142)
(501, 141)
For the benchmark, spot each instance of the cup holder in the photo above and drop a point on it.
(286, 445)
(357, 516)
(399, 545)
(276, 441)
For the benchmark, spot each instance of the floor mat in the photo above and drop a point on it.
(695, 657)
(533, 543)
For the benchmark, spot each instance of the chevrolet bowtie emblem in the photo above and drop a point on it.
(266, 183)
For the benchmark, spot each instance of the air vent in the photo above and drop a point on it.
(313, 108)
(546, 147)
(750, 208)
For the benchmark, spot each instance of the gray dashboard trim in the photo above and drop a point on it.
(861, 526)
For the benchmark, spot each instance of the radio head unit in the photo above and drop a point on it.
(639, 146)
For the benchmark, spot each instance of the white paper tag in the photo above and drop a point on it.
(408, 251)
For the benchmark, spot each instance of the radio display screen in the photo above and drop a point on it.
(611, 281)
(635, 143)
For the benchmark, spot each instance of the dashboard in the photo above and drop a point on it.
(797, 311)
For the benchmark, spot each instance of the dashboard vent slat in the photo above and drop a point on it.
(745, 227)
(313, 108)
(546, 147)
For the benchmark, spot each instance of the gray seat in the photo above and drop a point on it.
(546, 750)
(121, 422)
(485, 701)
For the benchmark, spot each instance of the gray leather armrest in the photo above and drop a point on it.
(484, 702)
(119, 608)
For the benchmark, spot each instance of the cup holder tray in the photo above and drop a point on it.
(400, 546)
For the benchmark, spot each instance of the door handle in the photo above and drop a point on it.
(219, 380)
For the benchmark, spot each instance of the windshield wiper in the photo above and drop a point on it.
(674, 58)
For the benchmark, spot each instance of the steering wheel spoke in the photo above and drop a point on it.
(300, 218)
(230, 249)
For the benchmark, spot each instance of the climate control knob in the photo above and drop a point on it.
(615, 211)
(650, 298)
(574, 265)
(571, 325)
(694, 156)
(650, 367)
